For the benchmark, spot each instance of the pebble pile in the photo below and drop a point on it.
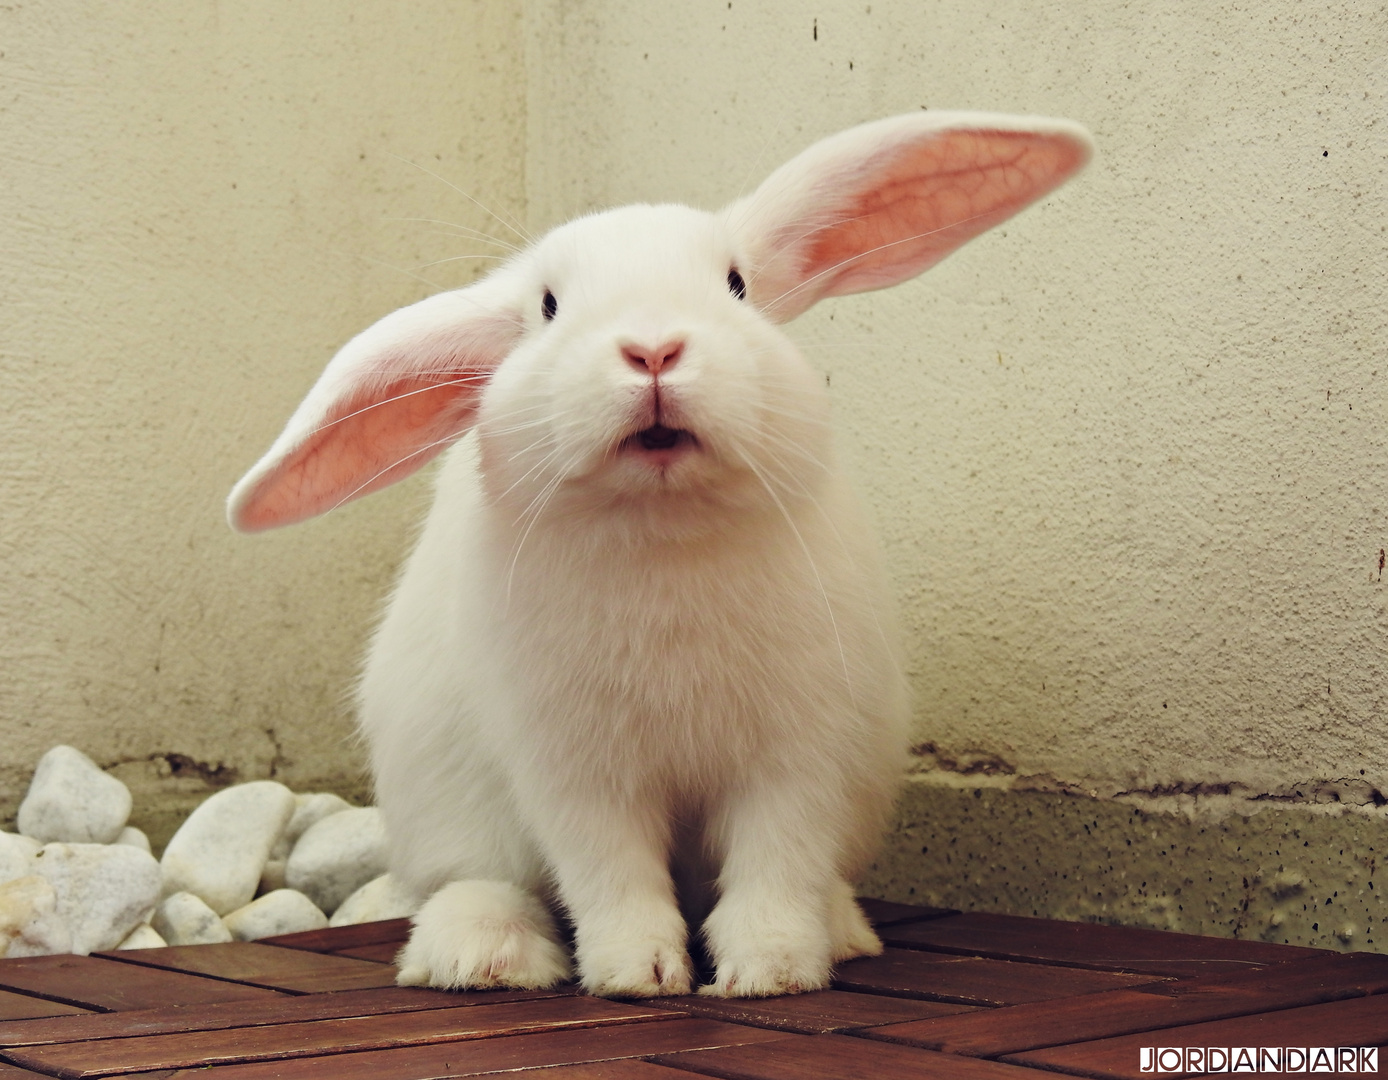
(252, 861)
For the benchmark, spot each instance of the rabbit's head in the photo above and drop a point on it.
(646, 384)
(630, 363)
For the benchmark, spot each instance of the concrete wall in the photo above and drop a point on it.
(1127, 452)
(202, 202)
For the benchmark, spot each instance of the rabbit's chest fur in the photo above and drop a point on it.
(636, 667)
(675, 663)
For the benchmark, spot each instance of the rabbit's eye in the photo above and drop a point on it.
(549, 306)
(736, 285)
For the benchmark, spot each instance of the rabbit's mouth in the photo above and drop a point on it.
(660, 442)
(660, 437)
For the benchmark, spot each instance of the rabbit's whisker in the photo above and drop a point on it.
(543, 499)
(872, 251)
(392, 266)
(393, 465)
(463, 379)
(549, 457)
(814, 569)
(461, 258)
(464, 230)
(505, 220)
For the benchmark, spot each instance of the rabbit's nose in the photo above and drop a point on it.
(652, 358)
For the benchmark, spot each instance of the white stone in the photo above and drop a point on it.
(380, 898)
(220, 851)
(17, 855)
(30, 922)
(309, 809)
(104, 890)
(272, 877)
(337, 856)
(143, 936)
(283, 911)
(135, 838)
(183, 919)
(71, 800)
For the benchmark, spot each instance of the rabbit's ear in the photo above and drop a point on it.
(392, 398)
(879, 203)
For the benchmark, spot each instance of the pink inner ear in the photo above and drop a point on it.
(936, 195)
(371, 439)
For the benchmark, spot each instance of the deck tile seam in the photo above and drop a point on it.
(1124, 967)
(16, 1056)
(198, 1026)
(205, 975)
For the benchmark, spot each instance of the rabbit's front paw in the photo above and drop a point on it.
(476, 934)
(850, 933)
(641, 968)
(768, 969)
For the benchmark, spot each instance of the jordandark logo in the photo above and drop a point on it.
(1203, 1060)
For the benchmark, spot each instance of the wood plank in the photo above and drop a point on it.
(478, 1056)
(251, 962)
(1091, 945)
(816, 1013)
(887, 913)
(1360, 1021)
(279, 1042)
(279, 1009)
(839, 1057)
(383, 953)
(1160, 1005)
(95, 983)
(16, 1072)
(24, 1006)
(336, 938)
(623, 1069)
(971, 980)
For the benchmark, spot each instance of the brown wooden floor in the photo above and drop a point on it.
(955, 995)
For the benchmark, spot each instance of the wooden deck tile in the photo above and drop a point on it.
(1091, 945)
(279, 1042)
(622, 1069)
(839, 1057)
(811, 1014)
(257, 964)
(23, 1007)
(475, 1057)
(972, 997)
(384, 953)
(279, 1009)
(95, 983)
(1160, 1005)
(1361, 1021)
(970, 980)
(338, 938)
(886, 913)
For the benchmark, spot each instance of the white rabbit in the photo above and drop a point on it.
(642, 655)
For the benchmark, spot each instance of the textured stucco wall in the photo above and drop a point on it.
(202, 201)
(1129, 453)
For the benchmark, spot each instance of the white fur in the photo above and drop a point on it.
(553, 691)
(645, 686)
(483, 933)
